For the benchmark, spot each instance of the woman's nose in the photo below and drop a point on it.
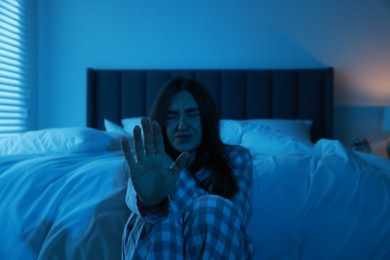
(182, 124)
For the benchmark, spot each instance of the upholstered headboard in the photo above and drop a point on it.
(239, 94)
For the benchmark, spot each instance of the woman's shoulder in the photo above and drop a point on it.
(240, 161)
(234, 152)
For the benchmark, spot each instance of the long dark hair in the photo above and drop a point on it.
(210, 153)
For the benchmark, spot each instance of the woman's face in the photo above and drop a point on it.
(183, 123)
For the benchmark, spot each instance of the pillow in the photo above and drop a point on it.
(114, 128)
(130, 123)
(298, 128)
(57, 140)
(117, 132)
(232, 130)
(263, 139)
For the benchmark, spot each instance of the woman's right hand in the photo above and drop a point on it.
(153, 173)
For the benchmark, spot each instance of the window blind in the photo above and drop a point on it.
(14, 55)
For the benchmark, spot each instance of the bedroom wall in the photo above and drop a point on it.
(351, 35)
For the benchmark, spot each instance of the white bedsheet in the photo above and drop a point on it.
(326, 203)
(62, 206)
(330, 203)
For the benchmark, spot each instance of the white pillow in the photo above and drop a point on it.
(117, 132)
(232, 130)
(114, 128)
(298, 128)
(130, 123)
(57, 140)
(262, 139)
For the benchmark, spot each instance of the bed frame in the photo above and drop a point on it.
(239, 94)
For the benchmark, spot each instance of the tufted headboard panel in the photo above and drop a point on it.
(239, 94)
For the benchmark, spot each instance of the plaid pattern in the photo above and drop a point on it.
(191, 223)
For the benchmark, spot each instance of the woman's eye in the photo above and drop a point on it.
(194, 114)
(171, 116)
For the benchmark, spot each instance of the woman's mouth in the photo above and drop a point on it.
(183, 137)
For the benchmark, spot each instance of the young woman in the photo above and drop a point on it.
(189, 194)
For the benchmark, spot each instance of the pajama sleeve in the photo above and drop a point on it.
(241, 163)
(153, 214)
(186, 189)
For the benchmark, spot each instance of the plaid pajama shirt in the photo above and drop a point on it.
(191, 223)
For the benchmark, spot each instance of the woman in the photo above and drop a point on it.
(189, 194)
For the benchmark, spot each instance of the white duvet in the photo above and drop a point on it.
(318, 202)
(68, 206)
(329, 203)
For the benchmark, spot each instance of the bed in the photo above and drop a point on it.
(63, 189)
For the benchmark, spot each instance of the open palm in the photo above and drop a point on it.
(152, 172)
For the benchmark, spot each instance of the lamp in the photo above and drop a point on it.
(386, 127)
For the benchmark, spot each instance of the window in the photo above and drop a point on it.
(14, 67)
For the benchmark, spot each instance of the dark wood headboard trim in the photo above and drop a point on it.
(239, 94)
